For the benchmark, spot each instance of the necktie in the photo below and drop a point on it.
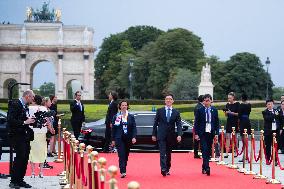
(168, 114)
(207, 115)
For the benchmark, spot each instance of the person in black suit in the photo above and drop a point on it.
(21, 135)
(123, 134)
(271, 125)
(281, 120)
(206, 126)
(78, 116)
(111, 111)
(197, 142)
(167, 118)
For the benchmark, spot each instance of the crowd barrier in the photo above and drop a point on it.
(83, 168)
(252, 156)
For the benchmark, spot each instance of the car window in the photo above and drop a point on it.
(144, 119)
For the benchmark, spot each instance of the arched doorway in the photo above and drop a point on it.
(6, 86)
(73, 86)
(43, 78)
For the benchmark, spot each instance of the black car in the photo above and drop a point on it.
(93, 133)
(3, 129)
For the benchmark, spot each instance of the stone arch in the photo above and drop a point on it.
(72, 86)
(6, 84)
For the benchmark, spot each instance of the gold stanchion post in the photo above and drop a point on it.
(250, 172)
(69, 168)
(213, 159)
(59, 158)
(222, 162)
(133, 185)
(112, 170)
(102, 162)
(273, 180)
(243, 170)
(260, 175)
(233, 166)
(63, 174)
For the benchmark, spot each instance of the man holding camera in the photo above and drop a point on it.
(21, 135)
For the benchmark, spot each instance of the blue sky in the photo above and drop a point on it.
(225, 27)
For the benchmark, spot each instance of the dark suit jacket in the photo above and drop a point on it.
(268, 117)
(198, 105)
(117, 130)
(200, 121)
(17, 114)
(164, 130)
(281, 119)
(77, 114)
(111, 112)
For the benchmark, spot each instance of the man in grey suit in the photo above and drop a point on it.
(167, 118)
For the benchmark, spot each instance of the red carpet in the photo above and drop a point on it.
(57, 168)
(185, 174)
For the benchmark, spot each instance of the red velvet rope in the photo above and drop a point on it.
(68, 154)
(77, 165)
(253, 145)
(96, 179)
(90, 175)
(247, 156)
(83, 178)
(236, 148)
(277, 157)
(268, 162)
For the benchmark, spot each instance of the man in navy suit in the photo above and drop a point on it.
(167, 118)
(206, 126)
(78, 116)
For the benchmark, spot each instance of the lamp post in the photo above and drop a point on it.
(130, 62)
(267, 63)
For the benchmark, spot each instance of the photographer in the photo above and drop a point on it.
(40, 127)
(20, 136)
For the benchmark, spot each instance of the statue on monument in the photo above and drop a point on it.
(86, 36)
(29, 13)
(206, 73)
(57, 15)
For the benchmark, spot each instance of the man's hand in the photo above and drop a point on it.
(154, 138)
(83, 124)
(196, 137)
(179, 138)
(133, 140)
(112, 143)
(29, 121)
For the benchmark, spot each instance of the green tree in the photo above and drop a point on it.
(277, 92)
(183, 84)
(47, 89)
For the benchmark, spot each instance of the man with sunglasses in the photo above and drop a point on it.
(206, 127)
(21, 135)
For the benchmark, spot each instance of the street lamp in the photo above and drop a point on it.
(267, 62)
(130, 62)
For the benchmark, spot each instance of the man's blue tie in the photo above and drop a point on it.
(168, 114)
(207, 115)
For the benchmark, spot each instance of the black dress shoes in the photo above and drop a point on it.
(208, 172)
(3, 176)
(14, 185)
(164, 173)
(203, 171)
(24, 185)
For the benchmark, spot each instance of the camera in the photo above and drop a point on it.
(40, 118)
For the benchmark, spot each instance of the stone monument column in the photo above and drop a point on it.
(86, 74)
(23, 72)
(60, 93)
(205, 86)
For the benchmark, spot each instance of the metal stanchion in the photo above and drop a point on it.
(233, 166)
(112, 170)
(59, 158)
(63, 180)
(89, 149)
(75, 151)
(102, 162)
(243, 170)
(222, 148)
(82, 147)
(260, 175)
(95, 181)
(133, 185)
(213, 158)
(273, 180)
(250, 172)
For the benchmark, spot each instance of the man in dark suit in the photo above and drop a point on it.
(197, 142)
(21, 135)
(167, 118)
(271, 125)
(206, 126)
(111, 112)
(78, 116)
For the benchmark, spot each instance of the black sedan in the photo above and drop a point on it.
(93, 133)
(3, 129)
